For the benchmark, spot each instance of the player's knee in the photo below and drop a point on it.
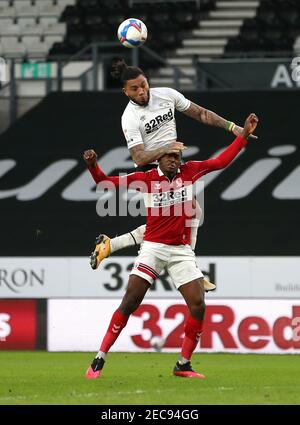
(197, 309)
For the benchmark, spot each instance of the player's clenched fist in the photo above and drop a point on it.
(90, 157)
(250, 125)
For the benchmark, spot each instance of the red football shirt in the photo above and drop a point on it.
(169, 202)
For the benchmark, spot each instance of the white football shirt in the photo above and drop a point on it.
(153, 125)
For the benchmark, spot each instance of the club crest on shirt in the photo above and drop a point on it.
(178, 182)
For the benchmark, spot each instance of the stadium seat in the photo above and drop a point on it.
(186, 19)
(276, 24)
(114, 5)
(99, 20)
(26, 21)
(77, 40)
(6, 22)
(114, 20)
(26, 9)
(207, 5)
(30, 39)
(71, 15)
(36, 49)
(168, 40)
(10, 30)
(47, 20)
(49, 9)
(93, 19)
(289, 16)
(87, 3)
(7, 11)
(99, 32)
(58, 28)
(162, 21)
(31, 29)
(61, 49)
(4, 3)
(19, 4)
(51, 39)
(11, 47)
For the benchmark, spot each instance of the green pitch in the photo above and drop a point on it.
(130, 378)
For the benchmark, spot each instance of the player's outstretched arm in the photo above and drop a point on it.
(90, 157)
(226, 157)
(199, 168)
(250, 126)
(205, 116)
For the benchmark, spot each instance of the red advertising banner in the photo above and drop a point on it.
(18, 324)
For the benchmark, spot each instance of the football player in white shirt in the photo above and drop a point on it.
(149, 127)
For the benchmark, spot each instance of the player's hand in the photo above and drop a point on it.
(250, 125)
(90, 157)
(239, 130)
(175, 147)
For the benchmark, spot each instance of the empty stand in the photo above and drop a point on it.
(272, 32)
(30, 27)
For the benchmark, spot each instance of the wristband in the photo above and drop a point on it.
(230, 126)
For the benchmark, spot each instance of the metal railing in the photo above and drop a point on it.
(91, 52)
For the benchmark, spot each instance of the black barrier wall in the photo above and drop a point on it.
(251, 208)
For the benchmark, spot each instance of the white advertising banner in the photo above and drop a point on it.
(72, 277)
(243, 326)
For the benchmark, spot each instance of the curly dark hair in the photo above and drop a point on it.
(122, 72)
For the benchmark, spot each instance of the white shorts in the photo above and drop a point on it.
(179, 260)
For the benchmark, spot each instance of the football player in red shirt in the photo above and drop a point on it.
(168, 199)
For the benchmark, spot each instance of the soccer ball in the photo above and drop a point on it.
(157, 342)
(132, 32)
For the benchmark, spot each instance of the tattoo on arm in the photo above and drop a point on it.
(205, 116)
(142, 157)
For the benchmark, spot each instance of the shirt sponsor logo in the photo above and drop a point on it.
(158, 121)
(171, 197)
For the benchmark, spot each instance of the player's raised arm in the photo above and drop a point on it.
(205, 116)
(90, 157)
(199, 168)
(250, 126)
(142, 157)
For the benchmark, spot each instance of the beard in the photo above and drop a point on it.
(142, 103)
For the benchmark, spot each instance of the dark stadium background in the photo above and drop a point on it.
(58, 99)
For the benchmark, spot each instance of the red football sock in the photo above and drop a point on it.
(117, 323)
(193, 329)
